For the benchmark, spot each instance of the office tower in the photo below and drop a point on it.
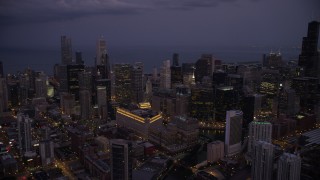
(259, 131)
(219, 79)
(188, 77)
(224, 100)
(154, 73)
(137, 82)
(176, 71)
(24, 133)
(13, 94)
(1, 70)
(101, 56)
(270, 82)
(288, 102)
(85, 104)
(307, 89)
(62, 77)
(201, 103)
(233, 132)
(121, 159)
(66, 50)
(262, 162)
(67, 103)
(79, 59)
(3, 95)
(175, 59)
(123, 83)
(41, 85)
(289, 167)
(165, 75)
(251, 108)
(46, 147)
(215, 151)
(272, 60)
(309, 58)
(85, 81)
(102, 101)
(107, 107)
(204, 67)
(73, 79)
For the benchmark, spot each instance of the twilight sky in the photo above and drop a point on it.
(38, 24)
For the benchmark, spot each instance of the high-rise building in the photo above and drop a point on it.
(103, 98)
(233, 132)
(24, 133)
(175, 59)
(85, 81)
(204, 67)
(272, 60)
(165, 75)
(85, 104)
(101, 57)
(3, 95)
(66, 50)
(309, 58)
(46, 146)
(188, 77)
(215, 151)
(79, 59)
(224, 100)
(251, 108)
(137, 82)
(289, 167)
(262, 162)
(13, 94)
(123, 83)
(1, 70)
(259, 131)
(73, 78)
(121, 159)
(41, 85)
(176, 71)
(201, 103)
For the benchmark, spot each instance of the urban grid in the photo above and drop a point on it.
(200, 120)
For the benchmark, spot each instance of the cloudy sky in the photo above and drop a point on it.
(39, 23)
(150, 30)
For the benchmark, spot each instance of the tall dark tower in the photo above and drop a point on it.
(175, 59)
(309, 57)
(66, 50)
(1, 69)
(79, 58)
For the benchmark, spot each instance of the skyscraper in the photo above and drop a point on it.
(3, 95)
(24, 133)
(41, 85)
(233, 132)
(79, 59)
(204, 67)
(137, 82)
(46, 146)
(101, 57)
(121, 159)
(165, 75)
(85, 104)
(1, 69)
(123, 83)
(262, 162)
(224, 100)
(73, 72)
(259, 131)
(66, 50)
(176, 71)
(309, 57)
(289, 167)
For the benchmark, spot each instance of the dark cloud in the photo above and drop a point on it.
(21, 11)
(26, 11)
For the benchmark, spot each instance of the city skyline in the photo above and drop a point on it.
(181, 26)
